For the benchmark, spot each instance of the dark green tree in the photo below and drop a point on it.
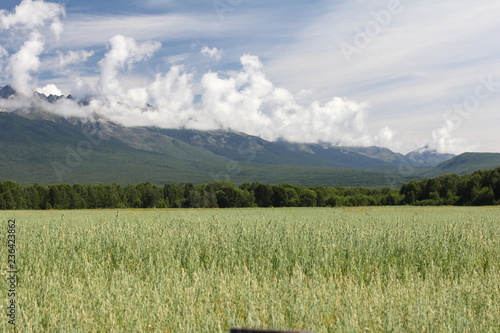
(307, 198)
(263, 194)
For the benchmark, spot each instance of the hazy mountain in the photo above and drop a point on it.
(427, 157)
(6, 92)
(383, 154)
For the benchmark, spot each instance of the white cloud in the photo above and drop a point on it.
(24, 62)
(57, 29)
(34, 14)
(443, 140)
(213, 53)
(50, 89)
(14, 102)
(247, 101)
(387, 138)
(31, 14)
(73, 57)
(386, 134)
(243, 101)
(83, 87)
(29, 17)
(123, 53)
(172, 94)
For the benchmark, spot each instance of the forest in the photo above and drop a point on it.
(476, 189)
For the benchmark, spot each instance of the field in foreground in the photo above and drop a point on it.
(323, 270)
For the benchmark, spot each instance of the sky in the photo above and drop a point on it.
(398, 74)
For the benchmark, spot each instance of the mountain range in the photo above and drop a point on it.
(39, 146)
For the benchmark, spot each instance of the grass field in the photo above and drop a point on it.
(402, 269)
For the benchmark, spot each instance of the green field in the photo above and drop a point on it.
(402, 269)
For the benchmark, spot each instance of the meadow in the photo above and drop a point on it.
(381, 269)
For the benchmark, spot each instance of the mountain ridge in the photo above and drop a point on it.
(366, 156)
(187, 155)
(466, 163)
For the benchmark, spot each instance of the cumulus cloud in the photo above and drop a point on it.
(50, 89)
(248, 102)
(443, 140)
(386, 138)
(213, 53)
(24, 62)
(243, 100)
(31, 14)
(34, 14)
(173, 95)
(123, 53)
(29, 19)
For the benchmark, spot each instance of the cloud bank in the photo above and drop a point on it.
(244, 100)
(241, 100)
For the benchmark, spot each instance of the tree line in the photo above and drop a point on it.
(479, 188)
(213, 195)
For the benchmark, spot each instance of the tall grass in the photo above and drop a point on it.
(324, 270)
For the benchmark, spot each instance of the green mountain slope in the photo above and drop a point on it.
(41, 147)
(466, 163)
(57, 150)
(245, 148)
(49, 152)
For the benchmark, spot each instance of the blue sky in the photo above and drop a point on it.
(401, 74)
